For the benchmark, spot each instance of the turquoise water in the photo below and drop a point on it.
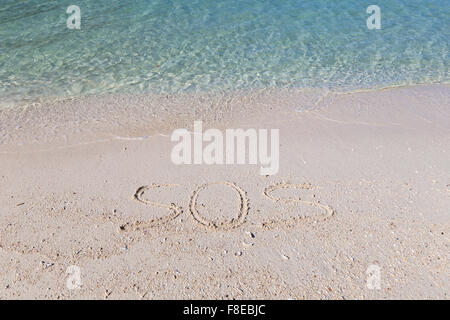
(171, 46)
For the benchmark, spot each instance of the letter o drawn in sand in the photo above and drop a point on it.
(233, 223)
(327, 211)
(139, 225)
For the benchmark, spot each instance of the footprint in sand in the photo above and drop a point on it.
(324, 212)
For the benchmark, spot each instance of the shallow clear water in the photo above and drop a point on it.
(173, 46)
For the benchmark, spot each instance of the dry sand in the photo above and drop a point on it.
(89, 183)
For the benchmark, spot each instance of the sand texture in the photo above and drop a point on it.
(364, 180)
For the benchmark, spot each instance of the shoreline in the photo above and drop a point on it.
(61, 99)
(107, 116)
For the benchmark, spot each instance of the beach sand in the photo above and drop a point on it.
(90, 183)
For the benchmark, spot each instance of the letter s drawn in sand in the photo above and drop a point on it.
(328, 212)
(140, 225)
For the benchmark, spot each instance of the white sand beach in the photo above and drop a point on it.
(363, 183)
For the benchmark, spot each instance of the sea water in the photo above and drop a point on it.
(173, 46)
